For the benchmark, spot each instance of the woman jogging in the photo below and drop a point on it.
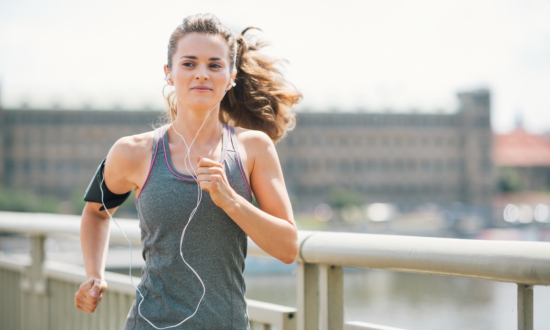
(194, 179)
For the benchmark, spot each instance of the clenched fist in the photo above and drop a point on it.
(89, 294)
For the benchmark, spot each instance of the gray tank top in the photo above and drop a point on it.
(214, 245)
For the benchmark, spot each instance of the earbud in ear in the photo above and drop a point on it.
(232, 84)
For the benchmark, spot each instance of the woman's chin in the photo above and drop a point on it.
(205, 103)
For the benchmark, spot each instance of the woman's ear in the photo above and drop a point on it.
(232, 82)
(167, 75)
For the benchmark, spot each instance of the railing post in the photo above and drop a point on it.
(34, 306)
(525, 307)
(308, 296)
(331, 297)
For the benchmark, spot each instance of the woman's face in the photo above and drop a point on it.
(201, 70)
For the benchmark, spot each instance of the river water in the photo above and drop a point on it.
(414, 301)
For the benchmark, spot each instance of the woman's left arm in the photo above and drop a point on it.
(271, 226)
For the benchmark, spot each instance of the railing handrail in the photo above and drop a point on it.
(506, 261)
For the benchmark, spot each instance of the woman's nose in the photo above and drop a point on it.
(202, 73)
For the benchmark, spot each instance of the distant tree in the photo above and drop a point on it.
(21, 201)
(340, 197)
(509, 180)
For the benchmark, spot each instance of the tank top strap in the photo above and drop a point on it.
(225, 144)
(156, 138)
(225, 140)
(235, 147)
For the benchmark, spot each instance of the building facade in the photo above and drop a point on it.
(406, 159)
(522, 161)
(56, 152)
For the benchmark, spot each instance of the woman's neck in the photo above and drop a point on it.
(188, 124)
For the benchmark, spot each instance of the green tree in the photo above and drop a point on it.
(22, 201)
(509, 180)
(340, 197)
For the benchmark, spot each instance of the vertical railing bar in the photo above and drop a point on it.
(129, 302)
(54, 305)
(5, 279)
(307, 276)
(23, 301)
(100, 313)
(105, 312)
(56, 290)
(36, 289)
(121, 308)
(114, 312)
(331, 297)
(74, 314)
(5, 312)
(80, 319)
(525, 307)
(70, 322)
(13, 315)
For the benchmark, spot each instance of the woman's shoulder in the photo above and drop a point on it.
(131, 149)
(252, 139)
(127, 160)
(134, 145)
(256, 148)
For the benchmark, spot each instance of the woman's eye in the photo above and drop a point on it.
(189, 64)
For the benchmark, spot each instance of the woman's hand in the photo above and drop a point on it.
(89, 294)
(212, 178)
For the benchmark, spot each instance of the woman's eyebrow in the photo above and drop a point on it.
(194, 58)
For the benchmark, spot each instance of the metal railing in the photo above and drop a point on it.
(48, 288)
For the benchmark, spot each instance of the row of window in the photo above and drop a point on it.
(418, 120)
(390, 189)
(67, 117)
(346, 166)
(320, 119)
(28, 166)
(372, 141)
(71, 137)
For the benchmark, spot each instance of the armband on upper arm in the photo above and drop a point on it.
(93, 192)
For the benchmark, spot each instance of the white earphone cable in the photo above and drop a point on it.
(187, 159)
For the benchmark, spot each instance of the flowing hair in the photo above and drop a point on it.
(262, 99)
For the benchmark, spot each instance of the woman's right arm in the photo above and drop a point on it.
(94, 241)
(120, 174)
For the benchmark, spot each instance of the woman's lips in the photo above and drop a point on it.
(201, 89)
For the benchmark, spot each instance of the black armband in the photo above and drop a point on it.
(93, 192)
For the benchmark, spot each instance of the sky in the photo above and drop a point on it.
(343, 55)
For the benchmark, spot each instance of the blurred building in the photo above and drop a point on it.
(407, 159)
(523, 161)
(56, 152)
